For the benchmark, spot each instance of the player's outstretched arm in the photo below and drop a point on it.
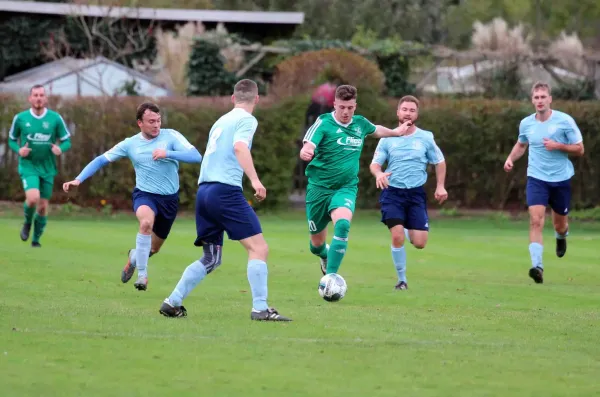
(516, 153)
(384, 132)
(244, 157)
(87, 172)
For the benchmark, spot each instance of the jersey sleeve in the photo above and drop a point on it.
(434, 154)
(61, 129)
(315, 133)
(572, 132)
(522, 135)
(368, 127)
(179, 142)
(244, 130)
(119, 151)
(15, 132)
(381, 152)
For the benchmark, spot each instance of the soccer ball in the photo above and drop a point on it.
(332, 287)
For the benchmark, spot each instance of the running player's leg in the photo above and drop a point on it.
(538, 195)
(393, 215)
(341, 209)
(241, 223)
(41, 216)
(31, 185)
(145, 209)
(560, 202)
(317, 216)
(209, 236)
(417, 220)
(166, 212)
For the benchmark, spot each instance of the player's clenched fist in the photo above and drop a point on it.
(508, 166)
(307, 152)
(259, 190)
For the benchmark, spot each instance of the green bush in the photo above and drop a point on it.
(475, 136)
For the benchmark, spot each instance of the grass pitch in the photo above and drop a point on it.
(471, 324)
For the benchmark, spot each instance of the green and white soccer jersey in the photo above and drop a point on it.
(39, 133)
(333, 171)
(337, 150)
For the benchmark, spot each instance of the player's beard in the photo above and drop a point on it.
(409, 118)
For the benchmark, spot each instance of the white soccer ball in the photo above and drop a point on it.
(332, 287)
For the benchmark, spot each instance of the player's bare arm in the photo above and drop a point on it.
(576, 149)
(516, 153)
(242, 153)
(384, 132)
(440, 175)
(308, 151)
(381, 178)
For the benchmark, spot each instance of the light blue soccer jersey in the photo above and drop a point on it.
(219, 163)
(407, 158)
(546, 165)
(152, 176)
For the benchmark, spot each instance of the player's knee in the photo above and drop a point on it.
(342, 228)
(146, 226)
(397, 238)
(262, 250)
(42, 208)
(32, 201)
(536, 221)
(212, 257)
(419, 244)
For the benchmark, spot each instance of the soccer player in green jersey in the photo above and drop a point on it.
(333, 146)
(33, 136)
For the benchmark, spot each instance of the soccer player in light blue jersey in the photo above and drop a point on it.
(221, 207)
(155, 154)
(551, 136)
(403, 199)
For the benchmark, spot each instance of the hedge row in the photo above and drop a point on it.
(475, 136)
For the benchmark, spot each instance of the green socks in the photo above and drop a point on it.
(338, 246)
(28, 211)
(319, 251)
(39, 224)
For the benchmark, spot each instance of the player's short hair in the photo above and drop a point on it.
(540, 85)
(35, 87)
(345, 93)
(245, 91)
(409, 98)
(139, 114)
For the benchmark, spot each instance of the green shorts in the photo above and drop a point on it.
(42, 183)
(320, 202)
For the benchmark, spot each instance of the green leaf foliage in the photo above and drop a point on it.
(475, 135)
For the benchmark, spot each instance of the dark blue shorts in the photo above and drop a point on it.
(555, 194)
(164, 206)
(223, 208)
(407, 206)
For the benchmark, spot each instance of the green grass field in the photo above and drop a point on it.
(471, 324)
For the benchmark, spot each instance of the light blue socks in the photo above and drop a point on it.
(257, 277)
(191, 277)
(142, 253)
(399, 258)
(536, 250)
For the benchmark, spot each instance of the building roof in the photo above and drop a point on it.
(52, 71)
(162, 14)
